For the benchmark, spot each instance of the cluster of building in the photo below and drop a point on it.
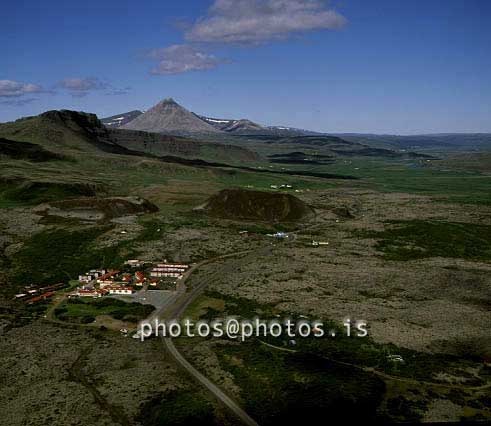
(101, 282)
(170, 270)
(92, 275)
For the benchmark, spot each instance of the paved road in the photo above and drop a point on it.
(176, 311)
(215, 390)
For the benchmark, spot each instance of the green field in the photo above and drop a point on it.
(84, 311)
(463, 186)
(420, 239)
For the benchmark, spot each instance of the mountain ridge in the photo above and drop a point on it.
(70, 133)
(169, 117)
(119, 120)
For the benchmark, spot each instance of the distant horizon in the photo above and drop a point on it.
(396, 68)
(286, 125)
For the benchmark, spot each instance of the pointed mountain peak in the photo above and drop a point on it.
(170, 117)
(168, 101)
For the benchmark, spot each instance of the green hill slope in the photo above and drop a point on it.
(71, 132)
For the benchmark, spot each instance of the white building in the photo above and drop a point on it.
(157, 273)
(120, 290)
(172, 266)
(134, 263)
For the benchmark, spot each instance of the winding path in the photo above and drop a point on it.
(175, 311)
(215, 390)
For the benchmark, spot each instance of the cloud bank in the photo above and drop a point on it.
(257, 21)
(15, 89)
(243, 22)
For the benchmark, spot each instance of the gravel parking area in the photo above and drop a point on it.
(157, 298)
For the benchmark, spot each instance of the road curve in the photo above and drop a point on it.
(215, 390)
(175, 312)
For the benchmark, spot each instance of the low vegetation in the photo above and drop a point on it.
(29, 193)
(59, 255)
(281, 382)
(362, 352)
(85, 311)
(277, 381)
(417, 239)
(26, 151)
(178, 407)
(286, 388)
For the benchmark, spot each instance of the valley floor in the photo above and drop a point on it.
(406, 249)
(431, 310)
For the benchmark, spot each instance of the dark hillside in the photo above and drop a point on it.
(26, 151)
(257, 205)
(163, 145)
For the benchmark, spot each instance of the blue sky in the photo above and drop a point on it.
(384, 66)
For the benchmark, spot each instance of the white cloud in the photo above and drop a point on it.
(181, 58)
(80, 87)
(256, 21)
(13, 89)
